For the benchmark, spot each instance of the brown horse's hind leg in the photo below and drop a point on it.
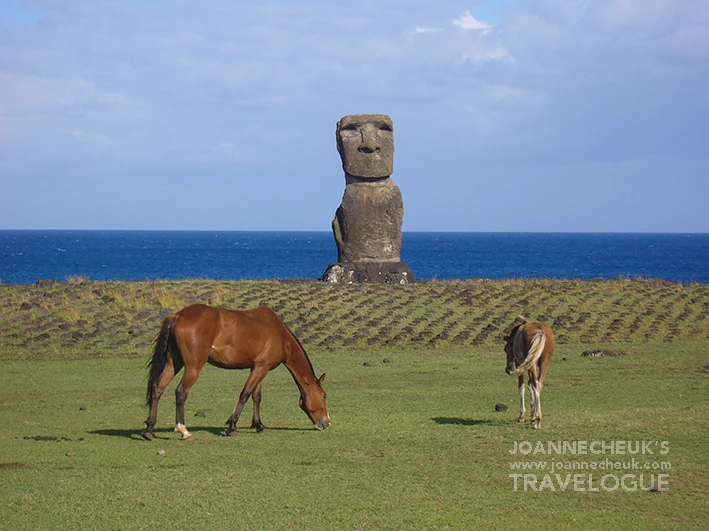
(522, 410)
(158, 388)
(253, 382)
(181, 394)
(256, 422)
(536, 390)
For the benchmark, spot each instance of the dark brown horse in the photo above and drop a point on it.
(529, 347)
(254, 339)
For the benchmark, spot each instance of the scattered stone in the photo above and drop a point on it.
(366, 364)
(201, 414)
(46, 438)
(601, 353)
(70, 454)
(501, 407)
(387, 361)
(14, 465)
(161, 452)
(144, 315)
(82, 408)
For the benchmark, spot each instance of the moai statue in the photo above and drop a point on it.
(367, 225)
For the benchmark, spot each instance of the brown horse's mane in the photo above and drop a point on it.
(295, 338)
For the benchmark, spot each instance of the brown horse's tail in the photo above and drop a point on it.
(534, 353)
(163, 344)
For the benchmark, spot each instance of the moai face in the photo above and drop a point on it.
(366, 145)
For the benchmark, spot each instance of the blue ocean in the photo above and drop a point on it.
(27, 256)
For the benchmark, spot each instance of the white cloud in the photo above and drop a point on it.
(469, 22)
(419, 30)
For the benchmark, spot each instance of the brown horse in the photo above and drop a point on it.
(254, 339)
(529, 347)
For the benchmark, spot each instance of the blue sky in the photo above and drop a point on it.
(514, 115)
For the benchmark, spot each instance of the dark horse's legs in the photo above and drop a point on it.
(252, 387)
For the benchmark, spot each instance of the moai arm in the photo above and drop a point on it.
(337, 232)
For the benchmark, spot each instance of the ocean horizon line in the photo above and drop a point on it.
(305, 231)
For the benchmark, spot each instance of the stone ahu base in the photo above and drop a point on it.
(375, 272)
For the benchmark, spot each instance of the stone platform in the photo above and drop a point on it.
(374, 272)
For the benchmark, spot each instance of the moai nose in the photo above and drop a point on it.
(369, 141)
(367, 148)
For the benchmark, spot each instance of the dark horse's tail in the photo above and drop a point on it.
(164, 343)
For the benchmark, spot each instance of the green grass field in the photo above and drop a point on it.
(415, 443)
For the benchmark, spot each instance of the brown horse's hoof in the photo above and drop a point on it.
(187, 437)
(147, 435)
(232, 433)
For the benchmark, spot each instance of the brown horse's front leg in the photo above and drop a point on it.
(253, 382)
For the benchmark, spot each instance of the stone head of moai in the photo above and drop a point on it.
(366, 145)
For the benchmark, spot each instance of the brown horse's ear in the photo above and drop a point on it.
(321, 379)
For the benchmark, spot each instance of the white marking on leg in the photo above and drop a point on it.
(538, 412)
(181, 428)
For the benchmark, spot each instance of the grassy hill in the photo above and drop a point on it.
(82, 319)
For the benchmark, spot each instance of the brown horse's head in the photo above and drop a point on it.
(509, 345)
(312, 401)
(509, 349)
(511, 365)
